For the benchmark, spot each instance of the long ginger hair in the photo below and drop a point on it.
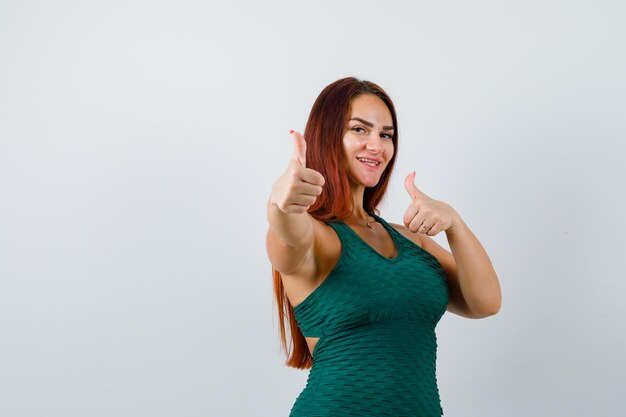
(324, 147)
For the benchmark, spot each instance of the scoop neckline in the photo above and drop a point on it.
(387, 227)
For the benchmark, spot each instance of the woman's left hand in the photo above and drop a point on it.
(426, 215)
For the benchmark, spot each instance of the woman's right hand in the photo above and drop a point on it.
(298, 187)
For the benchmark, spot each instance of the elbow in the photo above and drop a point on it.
(489, 310)
(495, 308)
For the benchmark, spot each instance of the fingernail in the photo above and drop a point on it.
(290, 132)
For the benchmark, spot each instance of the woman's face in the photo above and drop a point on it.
(368, 135)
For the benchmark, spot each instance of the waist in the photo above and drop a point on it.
(394, 342)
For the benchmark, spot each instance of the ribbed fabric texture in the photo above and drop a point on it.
(376, 320)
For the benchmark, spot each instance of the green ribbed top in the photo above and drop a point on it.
(376, 320)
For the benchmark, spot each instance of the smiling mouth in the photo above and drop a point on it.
(369, 164)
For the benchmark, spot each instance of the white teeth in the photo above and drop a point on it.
(368, 161)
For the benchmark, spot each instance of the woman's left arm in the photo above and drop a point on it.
(473, 284)
(477, 280)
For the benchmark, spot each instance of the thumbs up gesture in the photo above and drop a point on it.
(298, 187)
(426, 215)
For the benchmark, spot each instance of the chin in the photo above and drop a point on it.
(371, 184)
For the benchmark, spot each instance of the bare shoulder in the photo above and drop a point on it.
(318, 263)
(414, 237)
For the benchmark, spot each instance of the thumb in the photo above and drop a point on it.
(299, 153)
(410, 187)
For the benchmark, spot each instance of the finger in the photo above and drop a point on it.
(299, 153)
(302, 200)
(430, 227)
(425, 227)
(295, 208)
(410, 187)
(312, 177)
(416, 224)
(305, 188)
(435, 229)
(410, 213)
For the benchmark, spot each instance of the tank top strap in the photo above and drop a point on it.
(352, 247)
(347, 234)
(381, 221)
(387, 226)
(337, 224)
(341, 228)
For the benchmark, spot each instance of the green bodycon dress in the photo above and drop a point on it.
(376, 320)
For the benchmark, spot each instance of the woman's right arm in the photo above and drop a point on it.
(289, 238)
(290, 235)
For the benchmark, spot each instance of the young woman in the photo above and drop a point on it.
(363, 296)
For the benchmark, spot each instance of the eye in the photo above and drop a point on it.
(359, 128)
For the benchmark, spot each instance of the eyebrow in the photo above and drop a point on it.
(370, 124)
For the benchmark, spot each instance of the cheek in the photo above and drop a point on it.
(349, 142)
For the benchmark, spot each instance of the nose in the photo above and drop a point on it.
(374, 145)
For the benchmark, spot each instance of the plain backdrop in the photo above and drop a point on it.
(139, 141)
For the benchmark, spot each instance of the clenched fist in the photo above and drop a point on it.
(426, 215)
(298, 187)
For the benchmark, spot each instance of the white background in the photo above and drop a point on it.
(139, 141)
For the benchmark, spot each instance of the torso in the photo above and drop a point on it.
(302, 282)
